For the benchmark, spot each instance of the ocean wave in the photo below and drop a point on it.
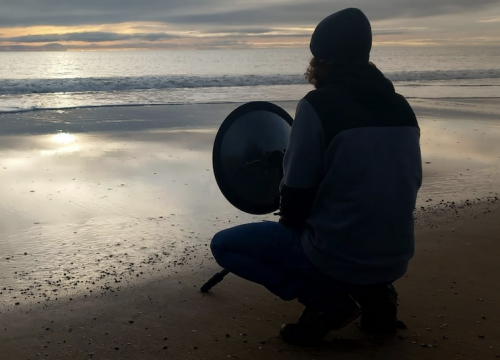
(18, 109)
(40, 86)
(444, 75)
(15, 110)
(114, 84)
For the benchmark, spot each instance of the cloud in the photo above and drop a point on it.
(388, 32)
(311, 12)
(88, 37)
(197, 23)
(217, 12)
(46, 47)
(232, 42)
(260, 31)
(97, 37)
(91, 46)
(398, 31)
(241, 30)
(491, 20)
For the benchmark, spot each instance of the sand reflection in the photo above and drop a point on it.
(80, 203)
(461, 158)
(63, 138)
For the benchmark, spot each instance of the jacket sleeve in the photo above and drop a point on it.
(302, 166)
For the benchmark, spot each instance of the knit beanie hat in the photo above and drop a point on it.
(344, 37)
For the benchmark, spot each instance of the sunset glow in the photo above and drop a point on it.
(221, 24)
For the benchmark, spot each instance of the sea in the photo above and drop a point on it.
(32, 81)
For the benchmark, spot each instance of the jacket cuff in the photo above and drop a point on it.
(295, 205)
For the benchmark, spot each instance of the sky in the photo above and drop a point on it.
(220, 24)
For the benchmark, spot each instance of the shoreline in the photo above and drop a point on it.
(87, 119)
(482, 99)
(104, 107)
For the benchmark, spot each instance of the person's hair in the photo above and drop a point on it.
(318, 71)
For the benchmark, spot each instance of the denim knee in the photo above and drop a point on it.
(219, 249)
(217, 243)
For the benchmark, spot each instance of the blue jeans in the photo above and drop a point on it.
(271, 254)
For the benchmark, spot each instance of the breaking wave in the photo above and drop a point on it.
(115, 84)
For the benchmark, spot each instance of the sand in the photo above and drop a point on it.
(104, 259)
(449, 301)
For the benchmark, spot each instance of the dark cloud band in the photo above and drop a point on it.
(199, 13)
(97, 37)
(88, 37)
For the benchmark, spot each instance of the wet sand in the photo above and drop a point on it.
(104, 241)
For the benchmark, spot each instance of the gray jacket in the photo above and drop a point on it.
(352, 171)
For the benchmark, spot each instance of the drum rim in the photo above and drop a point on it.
(221, 180)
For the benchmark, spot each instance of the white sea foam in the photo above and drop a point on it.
(445, 75)
(30, 86)
(111, 84)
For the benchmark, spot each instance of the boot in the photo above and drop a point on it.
(380, 311)
(314, 325)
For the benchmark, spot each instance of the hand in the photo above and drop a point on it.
(275, 159)
(290, 223)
